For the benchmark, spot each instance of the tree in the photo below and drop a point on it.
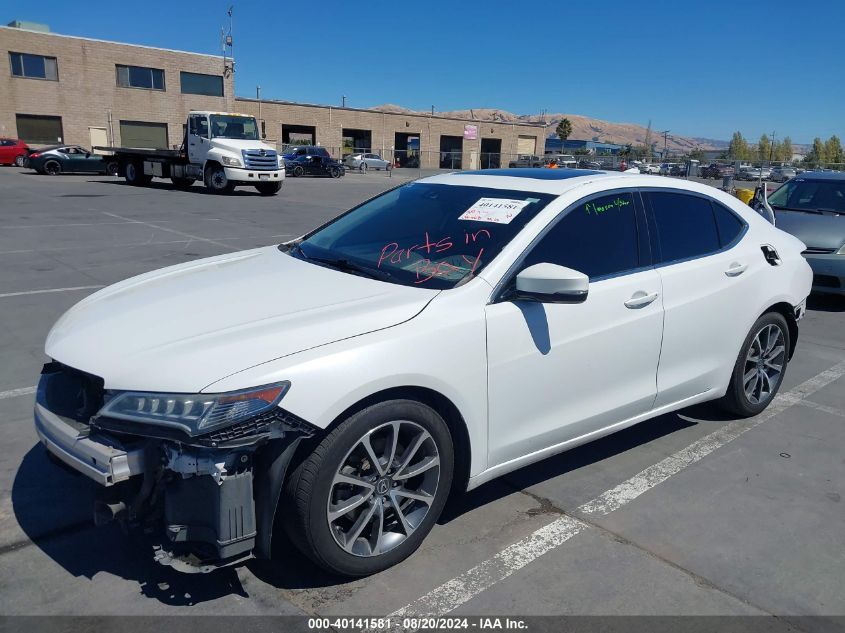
(563, 130)
(818, 154)
(833, 150)
(764, 148)
(738, 147)
(786, 149)
(697, 154)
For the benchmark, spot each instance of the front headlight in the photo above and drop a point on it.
(194, 413)
(281, 162)
(231, 162)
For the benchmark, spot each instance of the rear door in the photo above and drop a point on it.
(705, 269)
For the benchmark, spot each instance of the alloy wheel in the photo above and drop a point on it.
(383, 489)
(764, 364)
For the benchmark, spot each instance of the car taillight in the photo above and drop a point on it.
(34, 155)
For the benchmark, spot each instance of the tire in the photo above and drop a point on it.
(335, 172)
(20, 161)
(182, 183)
(313, 489)
(216, 180)
(135, 176)
(52, 168)
(268, 188)
(769, 334)
(298, 171)
(363, 166)
(111, 168)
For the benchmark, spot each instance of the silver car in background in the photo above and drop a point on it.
(782, 174)
(365, 161)
(812, 208)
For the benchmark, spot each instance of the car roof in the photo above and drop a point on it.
(537, 173)
(821, 175)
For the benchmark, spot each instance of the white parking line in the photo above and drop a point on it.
(453, 593)
(38, 292)
(14, 393)
(164, 228)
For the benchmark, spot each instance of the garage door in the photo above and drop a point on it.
(143, 134)
(526, 145)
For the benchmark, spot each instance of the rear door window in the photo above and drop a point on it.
(684, 225)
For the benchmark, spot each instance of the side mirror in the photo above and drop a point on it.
(550, 283)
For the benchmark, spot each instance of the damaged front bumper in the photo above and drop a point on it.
(208, 502)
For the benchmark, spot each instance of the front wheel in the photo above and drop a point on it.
(298, 171)
(760, 366)
(370, 492)
(216, 180)
(52, 168)
(335, 172)
(268, 188)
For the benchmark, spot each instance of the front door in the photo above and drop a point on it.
(197, 138)
(558, 372)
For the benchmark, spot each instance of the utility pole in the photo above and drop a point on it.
(648, 142)
(665, 142)
(771, 147)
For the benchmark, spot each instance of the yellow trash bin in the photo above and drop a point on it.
(745, 195)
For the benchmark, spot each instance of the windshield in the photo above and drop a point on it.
(810, 195)
(237, 127)
(422, 234)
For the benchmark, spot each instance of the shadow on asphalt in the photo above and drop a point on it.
(165, 186)
(53, 506)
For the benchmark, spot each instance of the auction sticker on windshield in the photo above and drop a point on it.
(495, 210)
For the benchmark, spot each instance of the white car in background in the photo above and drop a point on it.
(366, 161)
(437, 336)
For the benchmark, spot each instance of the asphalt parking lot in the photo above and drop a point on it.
(689, 513)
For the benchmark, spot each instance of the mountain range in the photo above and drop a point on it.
(583, 128)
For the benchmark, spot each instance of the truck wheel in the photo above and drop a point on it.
(216, 180)
(182, 183)
(52, 168)
(371, 490)
(298, 171)
(269, 188)
(135, 175)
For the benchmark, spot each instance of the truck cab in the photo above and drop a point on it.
(225, 149)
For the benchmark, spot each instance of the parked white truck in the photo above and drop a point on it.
(223, 149)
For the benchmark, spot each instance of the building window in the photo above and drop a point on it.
(197, 84)
(36, 128)
(34, 66)
(140, 77)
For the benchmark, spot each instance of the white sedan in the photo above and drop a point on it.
(442, 334)
(366, 161)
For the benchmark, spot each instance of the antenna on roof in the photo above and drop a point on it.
(228, 46)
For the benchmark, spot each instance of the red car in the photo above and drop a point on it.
(13, 152)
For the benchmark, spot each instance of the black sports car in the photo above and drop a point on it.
(70, 159)
(314, 166)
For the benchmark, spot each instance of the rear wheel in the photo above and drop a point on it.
(760, 366)
(370, 492)
(298, 171)
(135, 174)
(20, 160)
(111, 168)
(269, 188)
(52, 168)
(335, 172)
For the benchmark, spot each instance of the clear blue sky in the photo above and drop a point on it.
(698, 68)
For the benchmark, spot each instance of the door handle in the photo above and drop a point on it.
(640, 299)
(736, 269)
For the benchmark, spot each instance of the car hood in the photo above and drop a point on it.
(237, 145)
(182, 328)
(816, 231)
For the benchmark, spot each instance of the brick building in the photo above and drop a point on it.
(64, 89)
